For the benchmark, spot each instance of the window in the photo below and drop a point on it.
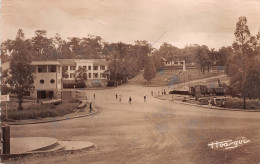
(52, 80)
(84, 67)
(52, 68)
(89, 75)
(89, 67)
(95, 68)
(102, 67)
(42, 68)
(65, 68)
(95, 75)
(72, 67)
(72, 75)
(41, 81)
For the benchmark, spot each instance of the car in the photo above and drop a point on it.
(219, 101)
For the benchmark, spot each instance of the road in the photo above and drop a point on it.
(155, 131)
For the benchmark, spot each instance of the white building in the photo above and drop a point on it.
(47, 80)
(95, 70)
(176, 63)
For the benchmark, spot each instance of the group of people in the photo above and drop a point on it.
(163, 92)
(119, 97)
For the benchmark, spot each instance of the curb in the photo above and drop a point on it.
(210, 107)
(7, 156)
(55, 119)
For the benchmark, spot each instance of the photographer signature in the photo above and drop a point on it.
(229, 144)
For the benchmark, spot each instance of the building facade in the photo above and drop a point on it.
(47, 82)
(95, 70)
(176, 63)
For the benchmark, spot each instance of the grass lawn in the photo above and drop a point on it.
(34, 110)
(169, 77)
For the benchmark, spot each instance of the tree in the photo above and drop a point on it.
(157, 59)
(242, 66)
(64, 73)
(203, 58)
(81, 75)
(43, 47)
(149, 70)
(6, 48)
(118, 65)
(222, 55)
(92, 46)
(189, 53)
(21, 70)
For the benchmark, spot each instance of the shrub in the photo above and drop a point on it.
(34, 110)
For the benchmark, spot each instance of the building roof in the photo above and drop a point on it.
(99, 62)
(67, 62)
(53, 62)
(83, 61)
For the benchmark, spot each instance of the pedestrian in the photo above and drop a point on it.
(164, 92)
(144, 98)
(130, 100)
(116, 96)
(119, 98)
(90, 107)
(94, 96)
(152, 93)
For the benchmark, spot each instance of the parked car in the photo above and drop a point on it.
(218, 101)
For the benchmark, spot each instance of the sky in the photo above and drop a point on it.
(178, 22)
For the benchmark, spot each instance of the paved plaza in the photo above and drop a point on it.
(155, 131)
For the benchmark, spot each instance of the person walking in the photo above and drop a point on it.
(90, 107)
(94, 96)
(152, 93)
(120, 98)
(130, 100)
(144, 98)
(116, 96)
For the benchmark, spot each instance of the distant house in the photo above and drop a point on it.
(174, 63)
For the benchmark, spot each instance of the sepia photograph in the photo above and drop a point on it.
(130, 81)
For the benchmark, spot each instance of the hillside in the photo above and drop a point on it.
(171, 77)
